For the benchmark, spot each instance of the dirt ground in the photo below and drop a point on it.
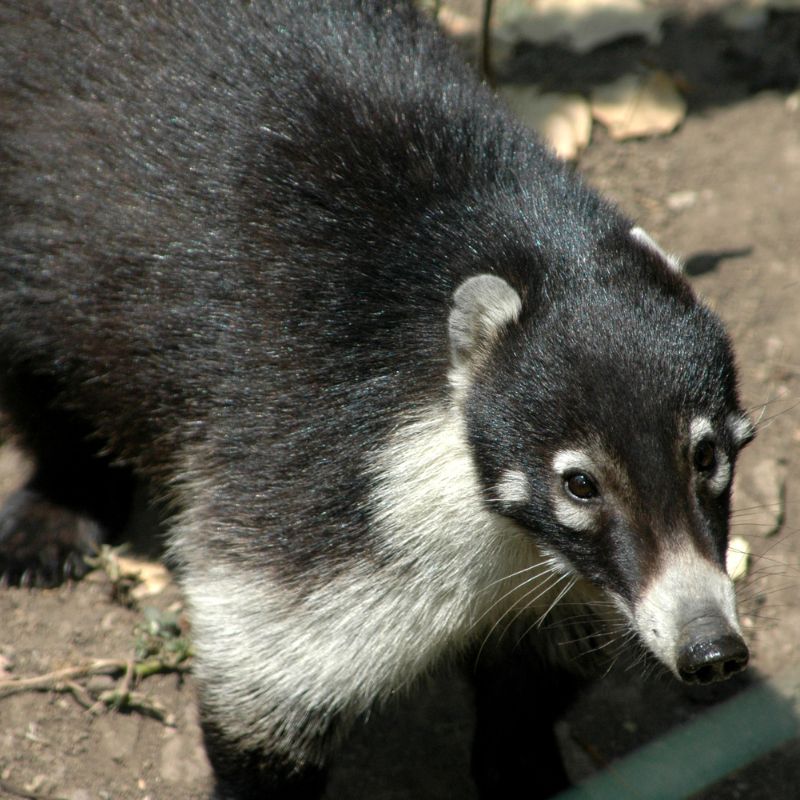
(724, 193)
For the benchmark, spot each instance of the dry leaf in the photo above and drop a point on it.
(459, 26)
(737, 558)
(582, 24)
(152, 576)
(635, 106)
(564, 121)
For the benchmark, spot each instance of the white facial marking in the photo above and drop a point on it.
(741, 428)
(700, 428)
(569, 460)
(686, 588)
(644, 238)
(560, 562)
(572, 513)
(721, 477)
(513, 487)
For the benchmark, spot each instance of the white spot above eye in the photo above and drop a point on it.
(700, 428)
(643, 237)
(513, 487)
(572, 460)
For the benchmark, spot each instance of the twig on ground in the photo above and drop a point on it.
(120, 698)
(47, 681)
(136, 701)
(100, 666)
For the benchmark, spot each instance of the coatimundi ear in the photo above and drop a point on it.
(482, 306)
(644, 239)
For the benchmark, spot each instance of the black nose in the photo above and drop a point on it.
(704, 659)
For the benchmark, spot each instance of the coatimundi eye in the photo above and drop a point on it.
(705, 456)
(580, 486)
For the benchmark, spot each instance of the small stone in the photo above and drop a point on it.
(35, 784)
(32, 734)
(680, 201)
(639, 105)
(6, 664)
(110, 620)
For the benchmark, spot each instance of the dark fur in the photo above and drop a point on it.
(238, 227)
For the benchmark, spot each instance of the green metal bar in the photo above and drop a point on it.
(699, 753)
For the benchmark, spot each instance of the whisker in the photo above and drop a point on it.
(774, 590)
(548, 584)
(547, 570)
(763, 423)
(737, 511)
(540, 620)
(528, 601)
(612, 636)
(514, 574)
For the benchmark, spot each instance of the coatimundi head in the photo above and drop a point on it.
(602, 411)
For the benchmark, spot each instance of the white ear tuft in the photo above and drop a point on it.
(644, 238)
(482, 305)
(741, 428)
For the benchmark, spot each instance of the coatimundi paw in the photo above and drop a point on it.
(41, 543)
